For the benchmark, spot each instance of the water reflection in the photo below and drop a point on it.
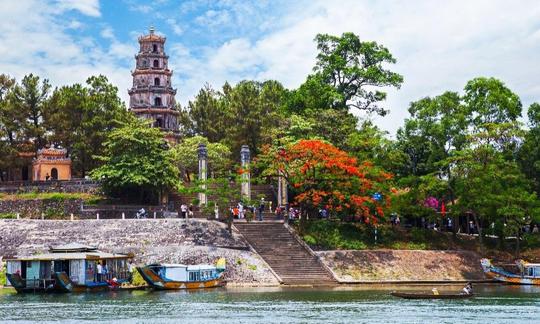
(373, 304)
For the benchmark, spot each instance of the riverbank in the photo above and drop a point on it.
(394, 266)
(201, 241)
(150, 240)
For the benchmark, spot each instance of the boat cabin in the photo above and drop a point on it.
(186, 273)
(79, 262)
(529, 269)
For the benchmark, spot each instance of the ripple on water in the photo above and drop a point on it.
(501, 305)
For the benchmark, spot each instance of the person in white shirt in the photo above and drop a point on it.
(183, 210)
(99, 271)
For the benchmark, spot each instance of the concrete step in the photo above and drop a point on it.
(284, 254)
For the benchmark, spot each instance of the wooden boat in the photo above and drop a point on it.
(67, 268)
(179, 276)
(430, 295)
(528, 273)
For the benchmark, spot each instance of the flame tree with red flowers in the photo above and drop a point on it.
(323, 176)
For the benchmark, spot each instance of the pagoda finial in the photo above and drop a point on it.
(152, 30)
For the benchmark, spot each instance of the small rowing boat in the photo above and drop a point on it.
(430, 295)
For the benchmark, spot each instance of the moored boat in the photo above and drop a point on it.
(68, 268)
(527, 273)
(180, 276)
(424, 295)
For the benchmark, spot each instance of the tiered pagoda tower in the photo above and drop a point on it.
(152, 94)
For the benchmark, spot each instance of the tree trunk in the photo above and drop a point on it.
(517, 244)
(479, 228)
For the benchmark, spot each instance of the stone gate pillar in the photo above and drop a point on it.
(203, 169)
(246, 173)
(282, 196)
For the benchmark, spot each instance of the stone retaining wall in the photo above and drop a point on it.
(403, 265)
(160, 240)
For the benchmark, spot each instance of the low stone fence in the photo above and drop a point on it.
(75, 185)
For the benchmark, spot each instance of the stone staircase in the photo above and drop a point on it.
(289, 259)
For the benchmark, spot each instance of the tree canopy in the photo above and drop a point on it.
(137, 163)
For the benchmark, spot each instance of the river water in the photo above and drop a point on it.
(493, 304)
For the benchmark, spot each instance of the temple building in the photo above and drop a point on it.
(51, 164)
(152, 94)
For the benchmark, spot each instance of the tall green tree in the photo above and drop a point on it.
(529, 152)
(27, 102)
(80, 117)
(7, 128)
(186, 157)
(208, 116)
(137, 163)
(493, 190)
(350, 73)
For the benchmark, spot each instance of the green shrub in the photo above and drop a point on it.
(8, 215)
(531, 241)
(3, 270)
(310, 240)
(54, 212)
(252, 267)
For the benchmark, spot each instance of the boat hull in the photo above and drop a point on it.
(430, 296)
(20, 286)
(501, 275)
(156, 282)
(61, 283)
(64, 284)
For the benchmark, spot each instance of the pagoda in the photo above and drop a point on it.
(152, 94)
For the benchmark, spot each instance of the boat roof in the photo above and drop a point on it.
(72, 247)
(96, 255)
(189, 267)
(531, 265)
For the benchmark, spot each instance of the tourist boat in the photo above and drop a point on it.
(528, 273)
(429, 295)
(68, 268)
(179, 276)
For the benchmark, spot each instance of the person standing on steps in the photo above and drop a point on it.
(183, 210)
(261, 210)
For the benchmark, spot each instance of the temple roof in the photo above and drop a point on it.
(151, 37)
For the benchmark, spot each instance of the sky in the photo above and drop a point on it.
(439, 45)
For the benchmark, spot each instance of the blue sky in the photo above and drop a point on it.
(438, 45)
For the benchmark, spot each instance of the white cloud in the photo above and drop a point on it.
(174, 26)
(439, 46)
(74, 24)
(33, 41)
(86, 7)
(107, 33)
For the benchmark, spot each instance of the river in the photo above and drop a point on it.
(492, 304)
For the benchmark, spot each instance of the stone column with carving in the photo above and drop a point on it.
(246, 177)
(203, 169)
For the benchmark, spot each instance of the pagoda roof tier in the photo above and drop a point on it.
(151, 54)
(154, 110)
(152, 38)
(152, 88)
(139, 71)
